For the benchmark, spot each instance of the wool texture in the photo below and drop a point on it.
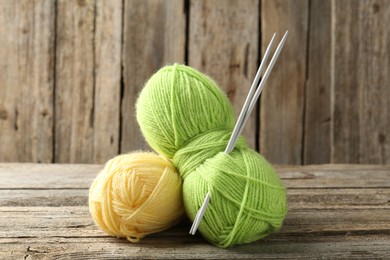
(135, 195)
(184, 115)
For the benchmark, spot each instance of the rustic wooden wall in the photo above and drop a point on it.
(71, 71)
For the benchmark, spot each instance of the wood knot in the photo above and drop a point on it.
(44, 112)
(375, 8)
(3, 114)
(81, 2)
(381, 138)
(234, 66)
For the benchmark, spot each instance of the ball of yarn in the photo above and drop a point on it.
(136, 194)
(248, 201)
(184, 115)
(179, 103)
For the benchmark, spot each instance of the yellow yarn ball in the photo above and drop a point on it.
(135, 195)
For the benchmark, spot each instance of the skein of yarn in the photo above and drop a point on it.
(179, 103)
(185, 116)
(135, 195)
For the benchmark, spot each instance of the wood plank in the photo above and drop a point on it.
(74, 94)
(154, 35)
(189, 241)
(80, 176)
(347, 247)
(75, 221)
(26, 80)
(297, 198)
(47, 229)
(107, 66)
(88, 75)
(44, 176)
(316, 147)
(282, 102)
(360, 82)
(223, 43)
(43, 197)
(337, 199)
(335, 176)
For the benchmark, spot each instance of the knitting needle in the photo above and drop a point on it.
(256, 96)
(244, 115)
(200, 214)
(250, 95)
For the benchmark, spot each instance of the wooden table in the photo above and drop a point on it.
(334, 211)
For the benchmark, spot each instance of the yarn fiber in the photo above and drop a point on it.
(177, 104)
(135, 195)
(185, 116)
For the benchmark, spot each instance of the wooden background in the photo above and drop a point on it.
(70, 72)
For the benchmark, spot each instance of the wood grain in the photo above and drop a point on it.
(361, 82)
(298, 198)
(351, 247)
(154, 35)
(74, 93)
(76, 234)
(75, 221)
(26, 80)
(345, 216)
(71, 72)
(33, 176)
(316, 147)
(108, 47)
(223, 43)
(88, 75)
(65, 98)
(282, 101)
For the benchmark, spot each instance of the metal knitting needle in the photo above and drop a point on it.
(256, 96)
(244, 115)
(200, 214)
(250, 96)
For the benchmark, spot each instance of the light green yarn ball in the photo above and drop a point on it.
(178, 103)
(248, 200)
(186, 117)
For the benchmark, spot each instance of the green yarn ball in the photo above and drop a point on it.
(185, 116)
(179, 103)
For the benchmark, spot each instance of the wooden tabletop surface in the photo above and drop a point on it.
(335, 211)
